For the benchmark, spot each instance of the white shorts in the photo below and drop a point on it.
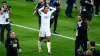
(44, 32)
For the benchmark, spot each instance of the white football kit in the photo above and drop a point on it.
(45, 22)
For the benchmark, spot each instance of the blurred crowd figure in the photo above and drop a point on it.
(69, 8)
(86, 9)
(91, 52)
(96, 7)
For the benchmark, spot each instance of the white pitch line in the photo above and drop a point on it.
(52, 33)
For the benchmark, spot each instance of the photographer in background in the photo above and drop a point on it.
(4, 20)
(86, 10)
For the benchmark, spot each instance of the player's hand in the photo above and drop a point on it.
(19, 50)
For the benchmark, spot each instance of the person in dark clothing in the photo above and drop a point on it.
(97, 5)
(70, 4)
(87, 10)
(51, 1)
(38, 6)
(12, 44)
(88, 53)
(81, 35)
(92, 48)
(4, 20)
(56, 14)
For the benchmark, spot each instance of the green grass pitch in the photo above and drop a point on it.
(23, 15)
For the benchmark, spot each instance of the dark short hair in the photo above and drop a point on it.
(4, 2)
(11, 32)
(81, 15)
(45, 6)
(92, 43)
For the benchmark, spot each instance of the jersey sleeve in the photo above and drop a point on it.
(40, 10)
(18, 44)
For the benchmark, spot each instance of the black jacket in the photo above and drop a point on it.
(38, 6)
(95, 52)
(82, 31)
(70, 2)
(11, 50)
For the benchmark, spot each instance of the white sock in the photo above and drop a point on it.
(39, 44)
(49, 46)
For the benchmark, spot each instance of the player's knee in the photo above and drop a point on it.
(40, 39)
(48, 40)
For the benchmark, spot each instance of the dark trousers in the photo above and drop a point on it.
(97, 5)
(39, 21)
(79, 43)
(2, 28)
(55, 20)
(69, 10)
(51, 1)
(11, 52)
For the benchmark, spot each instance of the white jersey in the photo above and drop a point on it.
(3, 17)
(45, 18)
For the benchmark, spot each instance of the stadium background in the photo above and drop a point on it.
(61, 46)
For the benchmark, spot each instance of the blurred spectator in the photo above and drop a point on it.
(93, 49)
(56, 14)
(69, 8)
(97, 5)
(12, 44)
(87, 10)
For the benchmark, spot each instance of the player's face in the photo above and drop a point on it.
(12, 35)
(41, 0)
(79, 18)
(46, 9)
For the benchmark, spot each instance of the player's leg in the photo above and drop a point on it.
(41, 34)
(89, 18)
(49, 45)
(84, 46)
(48, 37)
(39, 44)
(77, 45)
